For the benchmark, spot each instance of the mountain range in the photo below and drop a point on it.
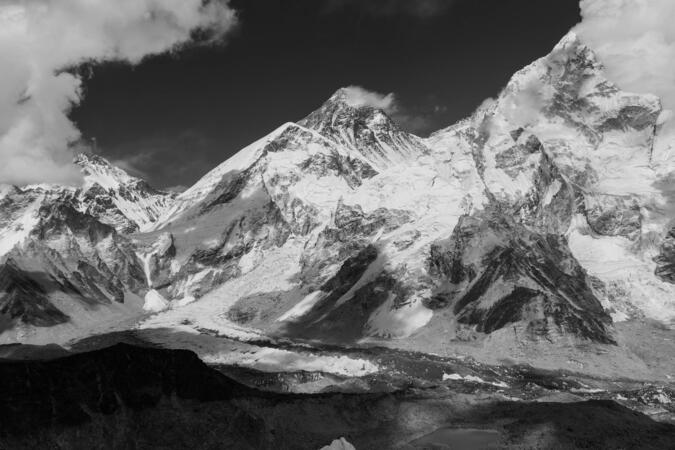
(537, 231)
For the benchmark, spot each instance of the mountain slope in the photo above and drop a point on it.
(365, 130)
(532, 230)
(118, 199)
(472, 233)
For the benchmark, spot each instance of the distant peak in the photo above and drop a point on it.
(570, 39)
(350, 106)
(86, 158)
(571, 46)
(358, 97)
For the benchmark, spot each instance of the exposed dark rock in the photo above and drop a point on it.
(512, 159)
(344, 322)
(367, 130)
(508, 309)
(665, 260)
(550, 206)
(109, 206)
(230, 187)
(522, 277)
(613, 216)
(57, 217)
(163, 251)
(23, 297)
(99, 204)
(354, 171)
(266, 228)
(350, 272)
(632, 116)
(352, 231)
(93, 265)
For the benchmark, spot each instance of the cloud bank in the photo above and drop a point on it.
(41, 39)
(635, 40)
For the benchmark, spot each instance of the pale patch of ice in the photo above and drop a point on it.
(611, 259)
(339, 444)
(140, 209)
(185, 301)
(275, 360)
(663, 399)
(452, 376)
(217, 350)
(200, 190)
(399, 322)
(552, 191)
(276, 272)
(586, 391)
(146, 258)
(473, 379)
(84, 321)
(301, 308)
(155, 302)
(19, 228)
(248, 261)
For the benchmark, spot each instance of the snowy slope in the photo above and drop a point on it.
(528, 230)
(364, 130)
(118, 199)
(64, 264)
(501, 221)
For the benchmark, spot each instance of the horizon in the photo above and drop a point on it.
(229, 97)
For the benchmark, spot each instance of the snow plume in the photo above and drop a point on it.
(635, 40)
(42, 40)
(524, 107)
(357, 97)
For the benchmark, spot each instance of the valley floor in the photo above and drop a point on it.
(285, 366)
(128, 396)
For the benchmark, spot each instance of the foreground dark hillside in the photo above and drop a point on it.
(132, 397)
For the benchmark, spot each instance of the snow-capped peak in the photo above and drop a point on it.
(98, 170)
(117, 198)
(365, 129)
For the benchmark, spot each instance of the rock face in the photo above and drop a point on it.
(115, 198)
(366, 131)
(132, 397)
(65, 254)
(534, 223)
(519, 278)
(25, 298)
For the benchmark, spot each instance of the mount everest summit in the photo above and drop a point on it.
(538, 230)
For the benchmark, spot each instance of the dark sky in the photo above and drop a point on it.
(175, 117)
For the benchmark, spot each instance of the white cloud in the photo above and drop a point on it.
(414, 122)
(635, 40)
(524, 107)
(39, 39)
(357, 97)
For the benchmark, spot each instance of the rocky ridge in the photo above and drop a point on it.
(527, 231)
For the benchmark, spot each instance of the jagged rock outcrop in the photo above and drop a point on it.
(115, 198)
(665, 260)
(366, 130)
(63, 260)
(495, 273)
(24, 298)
